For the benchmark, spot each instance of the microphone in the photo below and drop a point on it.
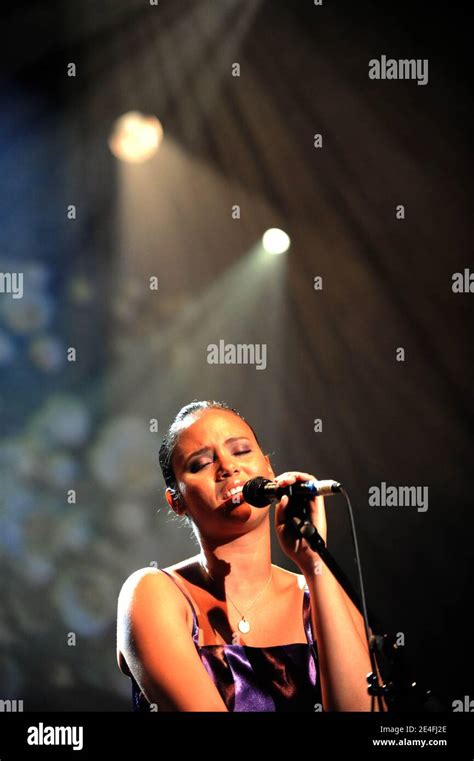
(260, 491)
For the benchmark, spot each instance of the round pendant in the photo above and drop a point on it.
(244, 626)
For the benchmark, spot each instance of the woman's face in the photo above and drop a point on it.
(217, 452)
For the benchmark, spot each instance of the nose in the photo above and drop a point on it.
(227, 466)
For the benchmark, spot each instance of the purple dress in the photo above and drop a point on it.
(279, 678)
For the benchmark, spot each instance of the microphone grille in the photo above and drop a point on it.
(253, 493)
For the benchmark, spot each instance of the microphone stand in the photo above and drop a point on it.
(415, 697)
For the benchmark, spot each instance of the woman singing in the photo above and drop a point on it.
(227, 630)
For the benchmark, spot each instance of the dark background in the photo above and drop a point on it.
(141, 355)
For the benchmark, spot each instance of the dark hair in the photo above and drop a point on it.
(171, 438)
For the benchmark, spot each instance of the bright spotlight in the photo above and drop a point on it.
(276, 241)
(135, 137)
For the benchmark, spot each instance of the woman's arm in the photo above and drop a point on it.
(343, 656)
(154, 639)
(338, 626)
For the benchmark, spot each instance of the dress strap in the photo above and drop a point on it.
(307, 616)
(195, 618)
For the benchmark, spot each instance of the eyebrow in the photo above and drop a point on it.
(206, 449)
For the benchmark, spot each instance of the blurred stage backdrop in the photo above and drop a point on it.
(140, 247)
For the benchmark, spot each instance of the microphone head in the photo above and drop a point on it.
(254, 493)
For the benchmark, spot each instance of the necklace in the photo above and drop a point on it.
(244, 624)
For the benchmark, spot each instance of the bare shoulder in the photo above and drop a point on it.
(143, 592)
(134, 579)
(151, 576)
(289, 579)
(150, 585)
(183, 565)
(139, 581)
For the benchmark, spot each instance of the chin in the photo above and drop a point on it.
(244, 512)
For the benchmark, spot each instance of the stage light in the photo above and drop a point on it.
(276, 241)
(135, 137)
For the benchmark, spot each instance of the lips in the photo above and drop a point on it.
(233, 494)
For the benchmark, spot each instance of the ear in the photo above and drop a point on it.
(174, 500)
(270, 469)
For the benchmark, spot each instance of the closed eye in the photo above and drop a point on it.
(197, 466)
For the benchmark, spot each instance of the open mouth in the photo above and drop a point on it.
(233, 496)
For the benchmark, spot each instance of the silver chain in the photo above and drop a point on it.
(255, 600)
